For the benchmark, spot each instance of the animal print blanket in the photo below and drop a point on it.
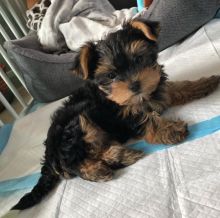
(70, 23)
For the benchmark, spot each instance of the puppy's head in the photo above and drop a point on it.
(124, 64)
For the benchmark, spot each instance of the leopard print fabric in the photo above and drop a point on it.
(36, 14)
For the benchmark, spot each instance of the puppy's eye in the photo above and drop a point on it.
(111, 75)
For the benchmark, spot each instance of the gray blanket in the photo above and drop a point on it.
(180, 18)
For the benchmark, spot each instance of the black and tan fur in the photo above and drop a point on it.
(124, 94)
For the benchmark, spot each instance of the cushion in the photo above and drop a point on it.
(48, 77)
(180, 18)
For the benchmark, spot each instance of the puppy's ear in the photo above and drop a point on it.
(86, 61)
(150, 29)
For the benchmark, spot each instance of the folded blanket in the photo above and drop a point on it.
(185, 18)
(70, 23)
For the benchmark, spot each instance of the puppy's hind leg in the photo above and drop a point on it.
(114, 157)
(182, 92)
(118, 156)
(95, 170)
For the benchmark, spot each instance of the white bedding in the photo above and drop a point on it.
(90, 20)
(182, 181)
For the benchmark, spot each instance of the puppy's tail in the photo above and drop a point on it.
(46, 183)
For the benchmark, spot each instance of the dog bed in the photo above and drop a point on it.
(178, 181)
(48, 76)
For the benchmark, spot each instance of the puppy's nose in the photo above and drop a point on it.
(135, 86)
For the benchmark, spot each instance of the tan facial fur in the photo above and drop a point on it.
(149, 79)
(120, 92)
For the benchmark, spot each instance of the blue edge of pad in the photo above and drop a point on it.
(140, 5)
(5, 132)
(198, 130)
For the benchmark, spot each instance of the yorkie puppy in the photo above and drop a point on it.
(124, 93)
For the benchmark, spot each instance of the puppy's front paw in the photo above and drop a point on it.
(168, 132)
(175, 133)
